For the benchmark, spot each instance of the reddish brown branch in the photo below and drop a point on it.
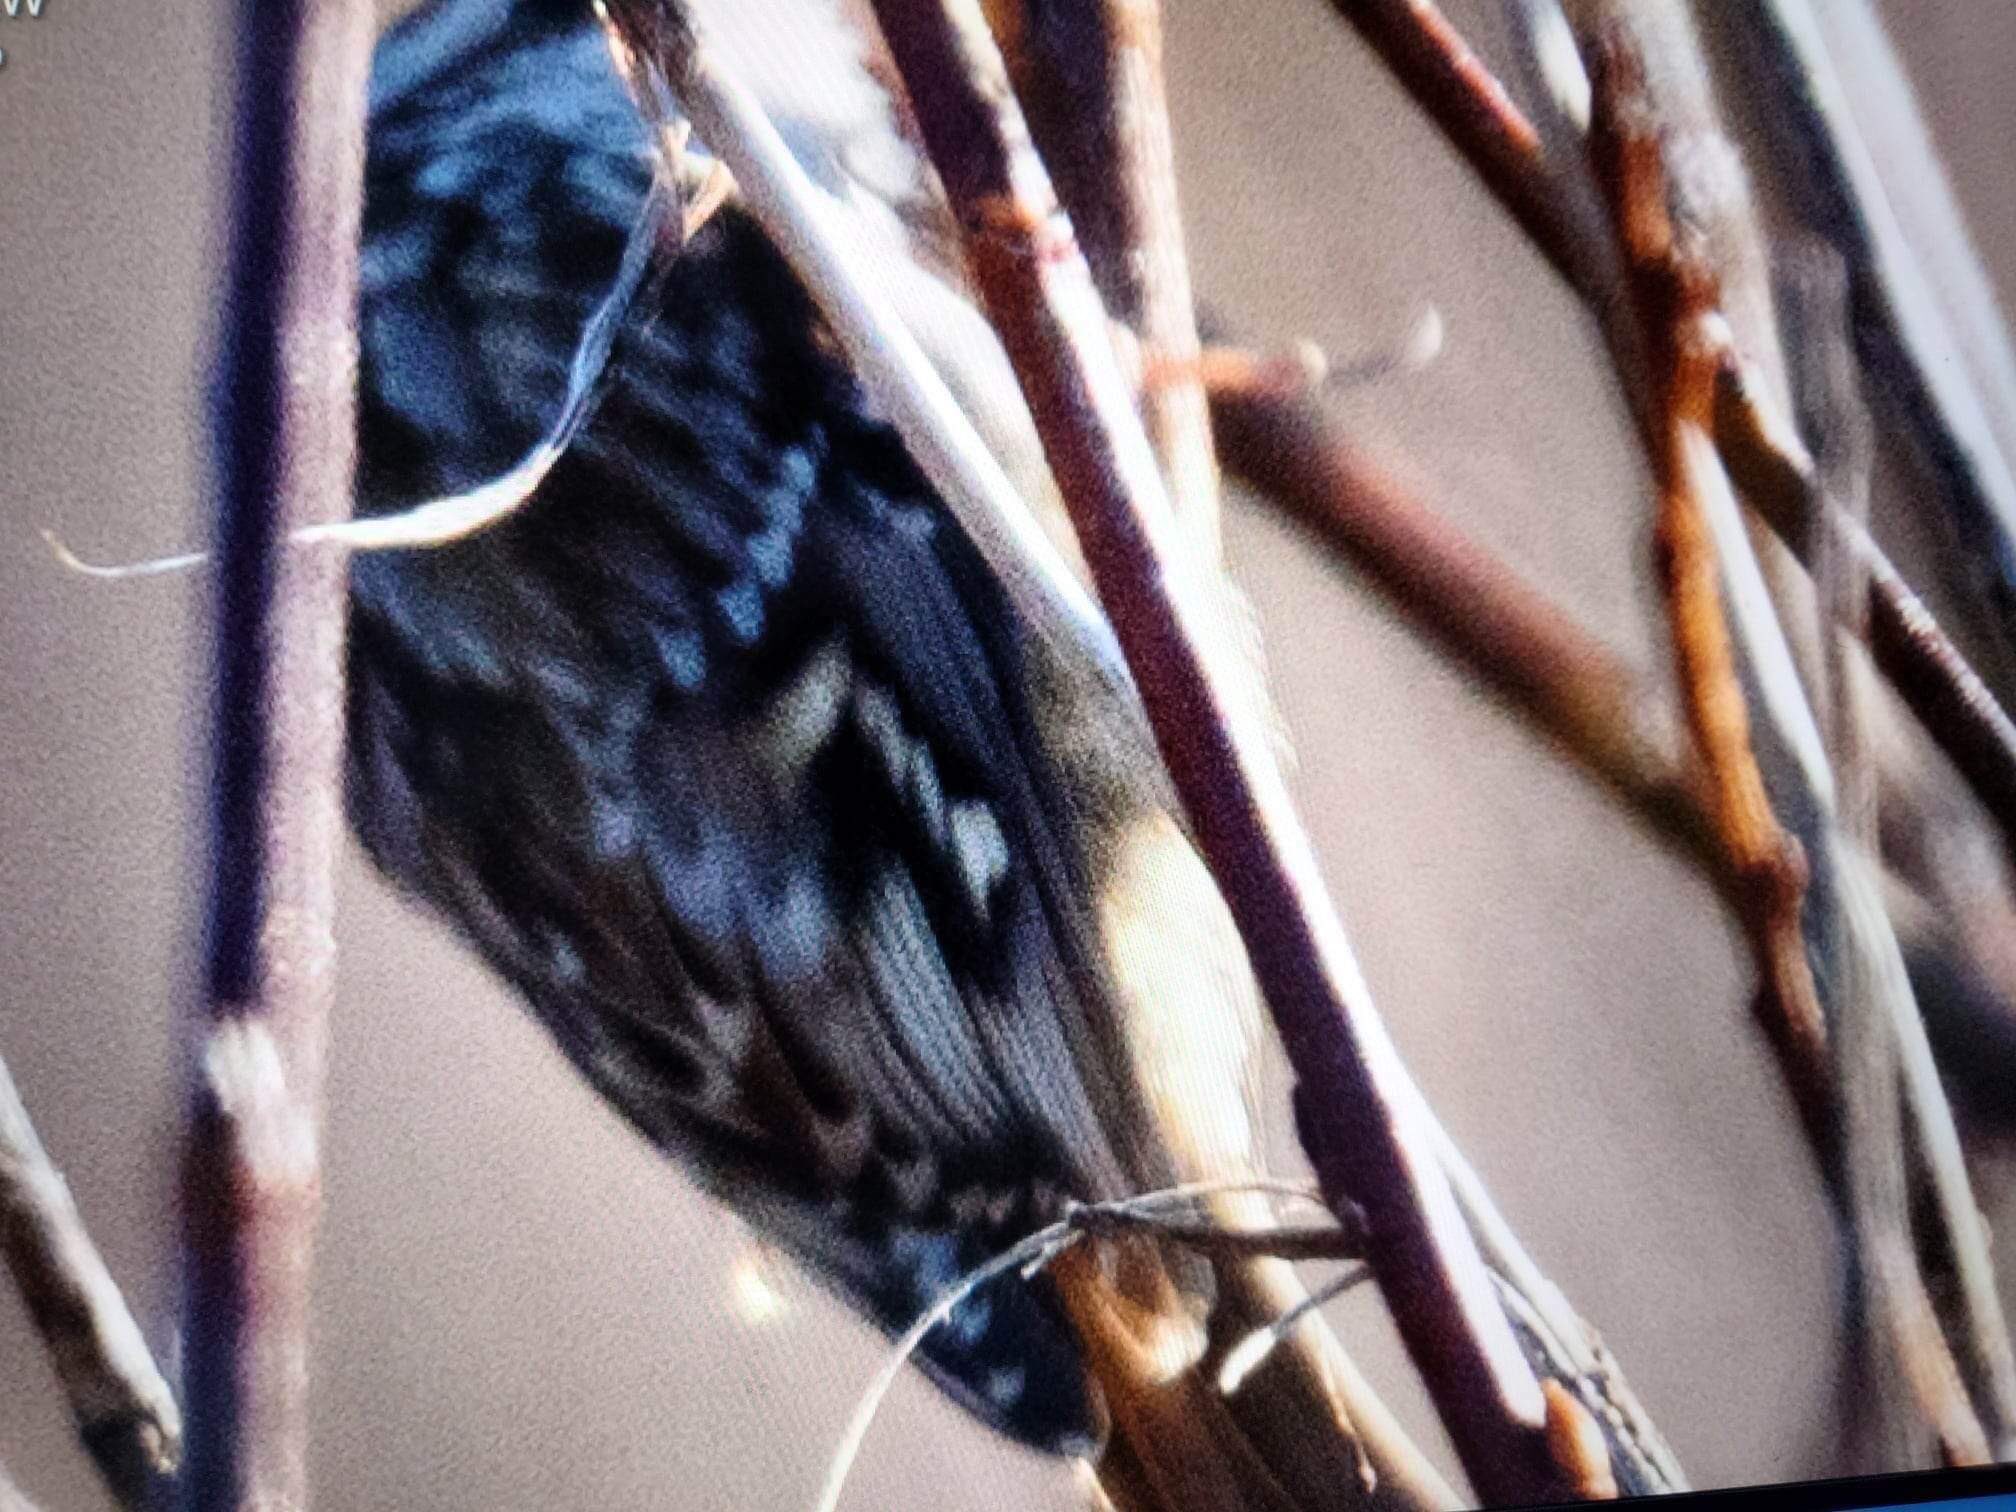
(1848, 1091)
(1450, 82)
(1676, 297)
(1548, 667)
(124, 1411)
(1155, 267)
(1362, 1122)
(1446, 79)
(286, 437)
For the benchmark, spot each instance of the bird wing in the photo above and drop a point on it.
(721, 750)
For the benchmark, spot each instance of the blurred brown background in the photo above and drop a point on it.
(518, 1305)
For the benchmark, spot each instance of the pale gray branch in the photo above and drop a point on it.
(125, 1412)
(258, 1035)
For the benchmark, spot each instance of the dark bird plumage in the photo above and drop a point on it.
(858, 894)
(722, 751)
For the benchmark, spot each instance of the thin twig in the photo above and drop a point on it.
(1159, 305)
(1302, 1241)
(438, 522)
(663, 37)
(1029, 1256)
(1872, 1158)
(1089, 75)
(1156, 1214)
(1932, 337)
(1822, 385)
(1961, 1237)
(1677, 292)
(1361, 1118)
(1676, 298)
(286, 439)
(1569, 1348)
(1252, 1351)
(1298, 369)
(1558, 83)
(1519, 642)
(1449, 83)
(1822, 389)
(125, 1413)
(1772, 468)
(1709, 195)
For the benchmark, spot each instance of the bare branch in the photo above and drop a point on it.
(1551, 671)
(1566, 1348)
(286, 424)
(1822, 385)
(1307, 1241)
(1676, 298)
(661, 38)
(1159, 304)
(1677, 291)
(125, 1413)
(1928, 327)
(1088, 74)
(1519, 642)
(1450, 84)
(1361, 1119)
(1772, 468)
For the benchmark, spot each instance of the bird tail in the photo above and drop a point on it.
(1300, 1432)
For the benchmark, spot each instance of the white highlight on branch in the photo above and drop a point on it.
(1251, 1352)
(1558, 60)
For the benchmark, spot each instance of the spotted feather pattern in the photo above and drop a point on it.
(722, 751)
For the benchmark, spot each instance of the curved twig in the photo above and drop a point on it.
(1144, 1214)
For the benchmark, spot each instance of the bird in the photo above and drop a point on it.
(853, 894)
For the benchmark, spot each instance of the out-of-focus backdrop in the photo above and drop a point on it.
(518, 1306)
